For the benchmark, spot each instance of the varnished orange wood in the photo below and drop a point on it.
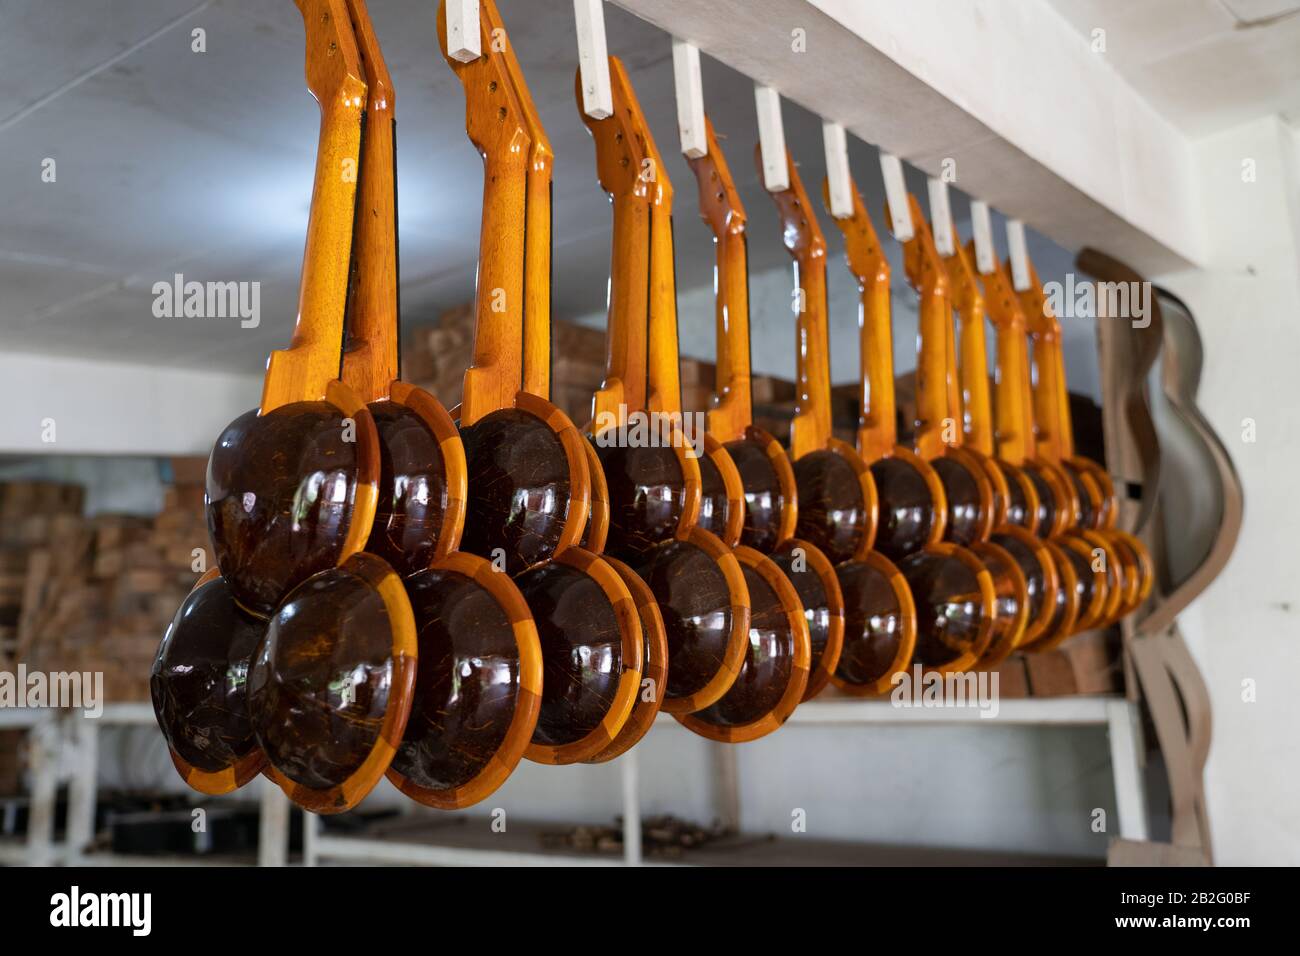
(496, 125)
(877, 429)
(537, 252)
(622, 161)
(370, 364)
(303, 371)
(934, 423)
(1012, 432)
(722, 211)
(968, 299)
(811, 428)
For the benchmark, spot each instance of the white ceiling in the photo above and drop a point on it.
(1206, 65)
(173, 161)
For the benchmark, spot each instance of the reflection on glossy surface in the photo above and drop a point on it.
(1046, 501)
(906, 507)
(320, 684)
(764, 501)
(199, 682)
(769, 660)
(812, 594)
(1030, 567)
(1008, 623)
(467, 685)
(280, 490)
(1017, 504)
(832, 513)
(582, 651)
(412, 489)
(948, 606)
(1087, 514)
(873, 623)
(713, 501)
(519, 486)
(647, 493)
(1085, 583)
(963, 494)
(696, 606)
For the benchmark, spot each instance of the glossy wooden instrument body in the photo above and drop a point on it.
(1002, 440)
(1020, 566)
(770, 497)
(838, 507)
(879, 616)
(329, 699)
(199, 689)
(422, 479)
(291, 487)
(653, 473)
(1099, 504)
(528, 477)
(773, 675)
(957, 600)
(1056, 612)
(588, 625)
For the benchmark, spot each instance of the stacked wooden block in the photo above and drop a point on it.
(97, 594)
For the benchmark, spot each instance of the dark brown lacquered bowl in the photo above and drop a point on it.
(1022, 505)
(649, 493)
(969, 494)
(422, 481)
(478, 687)
(1090, 581)
(818, 587)
(1011, 594)
(768, 487)
(1042, 581)
(702, 596)
(1119, 581)
(291, 493)
(1064, 604)
(837, 502)
(331, 687)
(529, 491)
(596, 534)
(722, 496)
(880, 620)
(654, 670)
(955, 605)
(913, 503)
(774, 673)
(199, 689)
(1057, 503)
(592, 652)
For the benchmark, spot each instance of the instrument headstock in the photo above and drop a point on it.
(334, 73)
(802, 234)
(494, 118)
(720, 205)
(921, 260)
(862, 247)
(625, 159)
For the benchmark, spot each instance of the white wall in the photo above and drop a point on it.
(1246, 627)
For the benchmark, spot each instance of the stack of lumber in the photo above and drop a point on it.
(98, 593)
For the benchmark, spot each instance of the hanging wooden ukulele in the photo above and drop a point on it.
(1052, 600)
(654, 477)
(330, 689)
(954, 592)
(1093, 486)
(291, 486)
(586, 619)
(767, 478)
(774, 673)
(879, 615)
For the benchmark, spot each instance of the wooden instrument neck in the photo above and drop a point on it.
(370, 365)
(721, 209)
(974, 403)
(936, 426)
(811, 429)
(877, 428)
(1012, 418)
(303, 371)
